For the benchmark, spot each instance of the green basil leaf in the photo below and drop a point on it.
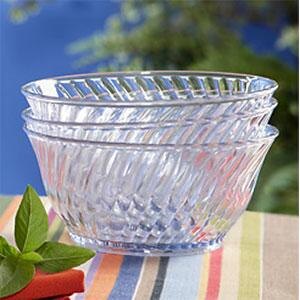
(6, 249)
(58, 257)
(32, 257)
(31, 224)
(15, 274)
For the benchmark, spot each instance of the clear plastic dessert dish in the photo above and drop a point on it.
(157, 163)
(152, 96)
(143, 199)
(204, 131)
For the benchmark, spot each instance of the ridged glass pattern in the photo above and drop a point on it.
(205, 131)
(150, 199)
(147, 96)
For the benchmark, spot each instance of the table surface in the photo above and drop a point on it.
(258, 260)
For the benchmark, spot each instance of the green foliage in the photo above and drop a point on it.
(20, 11)
(6, 249)
(17, 268)
(289, 39)
(31, 257)
(31, 225)
(15, 274)
(281, 188)
(203, 35)
(57, 257)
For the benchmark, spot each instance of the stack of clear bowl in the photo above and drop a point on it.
(150, 163)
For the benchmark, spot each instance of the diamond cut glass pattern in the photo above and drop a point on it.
(145, 199)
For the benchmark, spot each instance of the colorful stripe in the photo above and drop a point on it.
(280, 258)
(56, 229)
(65, 238)
(160, 279)
(105, 277)
(175, 284)
(4, 202)
(258, 261)
(250, 259)
(214, 277)
(127, 279)
(9, 212)
(147, 278)
(231, 263)
(47, 204)
(7, 220)
(204, 277)
(90, 272)
(51, 216)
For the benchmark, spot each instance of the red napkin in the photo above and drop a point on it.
(66, 297)
(54, 286)
(59, 298)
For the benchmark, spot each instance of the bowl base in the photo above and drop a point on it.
(134, 249)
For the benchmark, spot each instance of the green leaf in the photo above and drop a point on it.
(31, 224)
(58, 257)
(6, 249)
(31, 257)
(15, 274)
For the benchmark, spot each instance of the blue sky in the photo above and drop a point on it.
(36, 49)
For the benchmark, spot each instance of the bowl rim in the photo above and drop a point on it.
(25, 89)
(28, 116)
(266, 139)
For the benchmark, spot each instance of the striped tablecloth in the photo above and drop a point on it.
(259, 260)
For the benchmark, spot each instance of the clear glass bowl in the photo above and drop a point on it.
(154, 96)
(223, 129)
(140, 199)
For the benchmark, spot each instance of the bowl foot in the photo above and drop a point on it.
(123, 248)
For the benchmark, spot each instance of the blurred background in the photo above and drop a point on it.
(56, 37)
